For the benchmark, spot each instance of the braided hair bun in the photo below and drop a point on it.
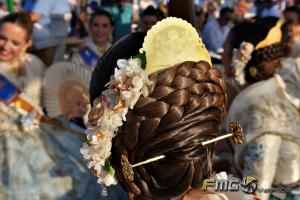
(185, 106)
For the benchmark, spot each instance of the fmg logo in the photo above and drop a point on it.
(247, 185)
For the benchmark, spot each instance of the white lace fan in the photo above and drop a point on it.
(65, 87)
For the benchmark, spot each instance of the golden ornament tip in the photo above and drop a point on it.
(126, 168)
(237, 132)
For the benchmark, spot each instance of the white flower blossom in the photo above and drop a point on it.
(135, 63)
(97, 152)
(137, 83)
(111, 96)
(90, 132)
(107, 179)
(240, 59)
(122, 63)
(130, 98)
(110, 121)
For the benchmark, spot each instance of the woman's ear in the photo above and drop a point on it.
(28, 44)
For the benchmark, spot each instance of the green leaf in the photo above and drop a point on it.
(142, 57)
(109, 167)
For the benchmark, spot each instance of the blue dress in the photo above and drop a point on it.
(42, 162)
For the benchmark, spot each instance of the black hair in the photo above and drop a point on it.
(252, 32)
(151, 11)
(20, 18)
(294, 9)
(225, 10)
(77, 26)
(255, 32)
(199, 11)
(260, 57)
(102, 13)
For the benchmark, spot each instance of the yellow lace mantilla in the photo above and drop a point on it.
(172, 41)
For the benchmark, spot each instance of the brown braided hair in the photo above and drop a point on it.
(186, 105)
(260, 58)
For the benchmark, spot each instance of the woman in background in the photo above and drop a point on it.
(250, 54)
(272, 140)
(101, 29)
(34, 163)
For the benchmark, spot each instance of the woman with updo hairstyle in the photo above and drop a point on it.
(185, 106)
(266, 58)
(251, 54)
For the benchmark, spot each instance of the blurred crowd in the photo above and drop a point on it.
(254, 43)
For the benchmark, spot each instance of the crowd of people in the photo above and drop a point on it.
(58, 57)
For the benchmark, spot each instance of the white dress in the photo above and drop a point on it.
(42, 163)
(271, 122)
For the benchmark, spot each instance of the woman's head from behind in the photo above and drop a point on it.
(266, 58)
(267, 52)
(15, 34)
(185, 107)
(101, 27)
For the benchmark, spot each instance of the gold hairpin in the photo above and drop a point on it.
(235, 131)
(127, 168)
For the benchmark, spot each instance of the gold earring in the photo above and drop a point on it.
(253, 71)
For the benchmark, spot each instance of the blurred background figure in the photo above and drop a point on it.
(101, 28)
(144, 4)
(3, 8)
(215, 30)
(243, 7)
(15, 33)
(121, 12)
(292, 37)
(201, 17)
(246, 66)
(66, 100)
(42, 14)
(291, 14)
(267, 8)
(272, 125)
(78, 28)
(149, 17)
(213, 8)
(21, 83)
(51, 23)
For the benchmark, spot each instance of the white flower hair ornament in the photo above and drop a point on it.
(240, 59)
(109, 111)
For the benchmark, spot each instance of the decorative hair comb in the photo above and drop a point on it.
(235, 132)
(274, 36)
